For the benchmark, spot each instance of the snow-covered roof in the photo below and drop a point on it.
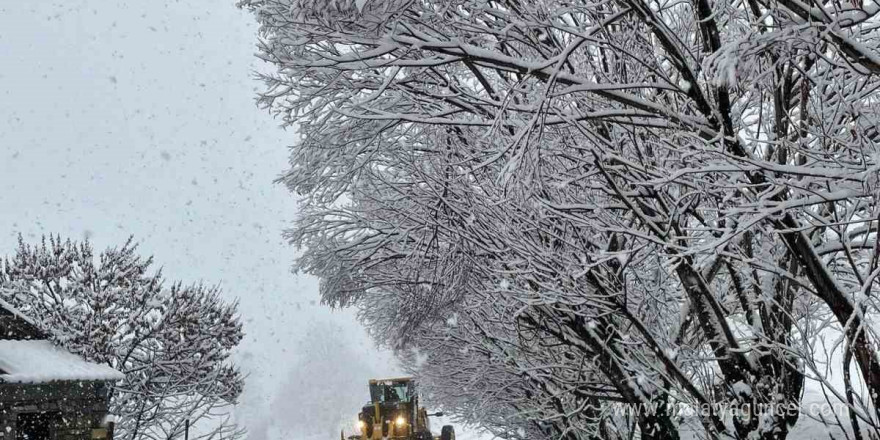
(15, 325)
(40, 361)
(16, 313)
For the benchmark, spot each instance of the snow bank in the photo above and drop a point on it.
(41, 362)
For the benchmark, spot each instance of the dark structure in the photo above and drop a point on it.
(46, 392)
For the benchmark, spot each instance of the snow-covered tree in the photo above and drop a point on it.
(555, 209)
(173, 342)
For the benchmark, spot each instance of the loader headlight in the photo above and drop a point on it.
(400, 421)
(361, 424)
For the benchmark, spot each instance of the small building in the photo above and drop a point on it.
(46, 392)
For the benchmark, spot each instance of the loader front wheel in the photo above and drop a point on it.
(447, 433)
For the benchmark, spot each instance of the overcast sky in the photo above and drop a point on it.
(138, 117)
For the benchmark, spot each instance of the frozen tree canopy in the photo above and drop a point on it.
(173, 343)
(557, 209)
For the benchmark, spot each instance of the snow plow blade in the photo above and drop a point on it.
(351, 437)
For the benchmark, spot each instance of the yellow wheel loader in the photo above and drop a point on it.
(393, 413)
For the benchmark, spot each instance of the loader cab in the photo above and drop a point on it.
(399, 390)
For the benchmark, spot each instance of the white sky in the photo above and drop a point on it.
(138, 117)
